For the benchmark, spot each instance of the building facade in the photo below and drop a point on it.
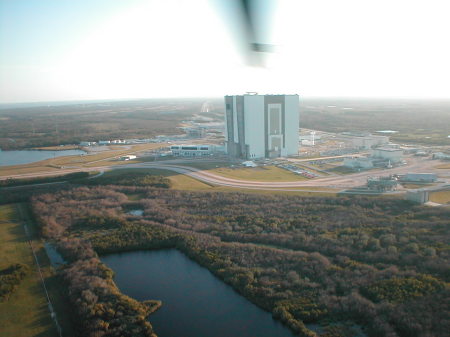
(261, 126)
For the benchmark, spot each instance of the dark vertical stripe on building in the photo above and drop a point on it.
(241, 125)
(283, 120)
(266, 127)
(230, 127)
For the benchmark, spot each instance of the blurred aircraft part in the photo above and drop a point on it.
(251, 23)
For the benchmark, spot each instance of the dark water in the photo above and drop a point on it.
(31, 156)
(195, 303)
(55, 258)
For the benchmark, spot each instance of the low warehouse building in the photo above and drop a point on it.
(388, 153)
(195, 150)
(419, 177)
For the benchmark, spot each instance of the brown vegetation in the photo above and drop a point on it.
(375, 262)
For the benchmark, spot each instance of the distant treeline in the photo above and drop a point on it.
(380, 263)
(54, 125)
(44, 180)
(417, 121)
(131, 179)
(79, 178)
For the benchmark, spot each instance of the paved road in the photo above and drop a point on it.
(414, 164)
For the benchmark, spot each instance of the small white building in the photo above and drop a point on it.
(104, 142)
(128, 157)
(419, 196)
(249, 163)
(87, 143)
(420, 177)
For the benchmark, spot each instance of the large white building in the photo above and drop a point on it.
(261, 126)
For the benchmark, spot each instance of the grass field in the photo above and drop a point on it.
(441, 197)
(58, 148)
(25, 313)
(341, 170)
(443, 166)
(183, 182)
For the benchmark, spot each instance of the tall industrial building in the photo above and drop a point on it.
(261, 126)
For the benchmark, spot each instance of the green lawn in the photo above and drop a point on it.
(183, 182)
(441, 197)
(25, 313)
(186, 183)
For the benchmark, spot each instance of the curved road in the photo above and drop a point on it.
(331, 182)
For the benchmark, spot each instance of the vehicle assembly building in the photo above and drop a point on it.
(261, 126)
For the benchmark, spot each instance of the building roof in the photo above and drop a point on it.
(388, 149)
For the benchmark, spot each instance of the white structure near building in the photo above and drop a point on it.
(419, 196)
(261, 126)
(358, 163)
(196, 150)
(128, 157)
(394, 155)
(87, 143)
(363, 140)
(249, 163)
(118, 141)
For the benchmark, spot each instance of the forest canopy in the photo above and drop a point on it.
(380, 263)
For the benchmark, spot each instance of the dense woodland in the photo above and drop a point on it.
(379, 263)
(10, 279)
(43, 180)
(70, 124)
(417, 121)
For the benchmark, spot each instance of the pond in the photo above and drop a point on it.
(55, 258)
(136, 212)
(30, 156)
(195, 302)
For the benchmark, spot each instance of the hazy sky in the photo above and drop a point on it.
(99, 49)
